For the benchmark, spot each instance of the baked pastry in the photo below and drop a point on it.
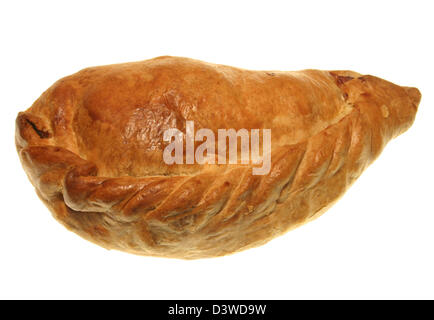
(92, 145)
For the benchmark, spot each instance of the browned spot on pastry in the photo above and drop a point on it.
(41, 133)
(362, 79)
(343, 79)
(340, 80)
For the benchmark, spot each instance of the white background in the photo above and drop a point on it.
(376, 242)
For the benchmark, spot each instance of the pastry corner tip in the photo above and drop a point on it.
(414, 94)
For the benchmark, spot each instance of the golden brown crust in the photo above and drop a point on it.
(92, 146)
